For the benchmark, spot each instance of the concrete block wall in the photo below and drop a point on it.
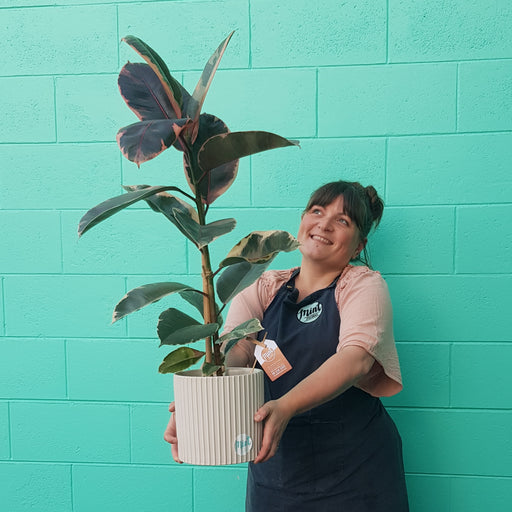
(413, 97)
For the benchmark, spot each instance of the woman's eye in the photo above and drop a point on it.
(343, 221)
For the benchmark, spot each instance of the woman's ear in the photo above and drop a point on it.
(360, 248)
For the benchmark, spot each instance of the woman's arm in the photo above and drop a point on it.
(336, 375)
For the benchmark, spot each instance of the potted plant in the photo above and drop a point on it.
(170, 117)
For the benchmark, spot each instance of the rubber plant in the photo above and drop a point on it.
(170, 117)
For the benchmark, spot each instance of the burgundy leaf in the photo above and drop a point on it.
(171, 86)
(143, 92)
(223, 148)
(140, 142)
(212, 184)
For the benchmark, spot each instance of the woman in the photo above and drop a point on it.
(328, 443)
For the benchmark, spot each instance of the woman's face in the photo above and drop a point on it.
(329, 237)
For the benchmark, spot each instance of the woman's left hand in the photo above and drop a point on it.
(276, 418)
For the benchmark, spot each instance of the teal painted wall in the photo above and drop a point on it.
(412, 96)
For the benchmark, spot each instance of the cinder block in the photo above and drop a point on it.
(116, 370)
(459, 442)
(280, 101)
(229, 484)
(74, 306)
(130, 242)
(428, 493)
(451, 308)
(477, 494)
(121, 488)
(212, 22)
(480, 375)
(58, 176)
(70, 432)
(289, 176)
(483, 231)
(485, 95)
(143, 323)
(426, 375)
(386, 100)
(414, 240)
(148, 423)
(322, 33)
(78, 39)
(90, 108)
(27, 486)
(32, 369)
(5, 450)
(449, 169)
(31, 241)
(30, 104)
(439, 30)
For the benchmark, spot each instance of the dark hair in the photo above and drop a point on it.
(362, 204)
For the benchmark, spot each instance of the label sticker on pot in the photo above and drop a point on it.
(243, 444)
(271, 359)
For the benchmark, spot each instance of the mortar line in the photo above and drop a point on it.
(71, 487)
(250, 33)
(457, 98)
(387, 31)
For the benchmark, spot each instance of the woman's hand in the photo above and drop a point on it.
(170, 434)
(276, 417)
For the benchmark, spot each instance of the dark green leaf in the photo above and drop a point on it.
(203, 235)
(148, 294)
(237, 277)
(244, 329)
(113, 205)
(199, 94)
(180, 359)
(171, 86)
(197, 301)
(260, 247)
(223, 148)
(143, 141)
(209, 369)
(144, 93)
(177, 328)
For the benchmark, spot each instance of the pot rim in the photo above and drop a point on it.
(230, 372)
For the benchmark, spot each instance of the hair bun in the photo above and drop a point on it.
(376, 203)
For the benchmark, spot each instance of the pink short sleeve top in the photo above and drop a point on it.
(366, 320)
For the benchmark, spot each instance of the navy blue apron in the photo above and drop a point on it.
(346, 454)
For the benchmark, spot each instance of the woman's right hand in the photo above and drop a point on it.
(170, 434)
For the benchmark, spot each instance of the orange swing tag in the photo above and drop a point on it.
(271, 359)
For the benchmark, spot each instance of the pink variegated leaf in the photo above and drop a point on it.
(140, 142)
(171, 86)
(199, 94)
(144, 93)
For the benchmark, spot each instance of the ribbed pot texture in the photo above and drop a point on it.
(214, 416)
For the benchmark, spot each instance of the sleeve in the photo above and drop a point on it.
(366, 320)
(244, 306)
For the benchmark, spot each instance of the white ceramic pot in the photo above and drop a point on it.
(214, 416)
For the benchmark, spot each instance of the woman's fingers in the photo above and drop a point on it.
(170, 434)
(275, 424)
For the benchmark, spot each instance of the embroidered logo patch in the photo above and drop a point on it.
(309, 313)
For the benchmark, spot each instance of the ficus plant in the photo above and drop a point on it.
(170, 117)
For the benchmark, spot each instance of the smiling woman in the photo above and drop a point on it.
(327, 437)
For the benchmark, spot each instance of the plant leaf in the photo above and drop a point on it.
(180, 359)
(171, 86)
(203, 235)
(249, 259)
(241, 331)
(177, 328)
(113, 205)
(208, 369)
(142, 141)
(148, 294)
(223, 148)
(199, 94)
(237, 277)
(210, 185)
(144, 93)
(260, 246)
(196, 300)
